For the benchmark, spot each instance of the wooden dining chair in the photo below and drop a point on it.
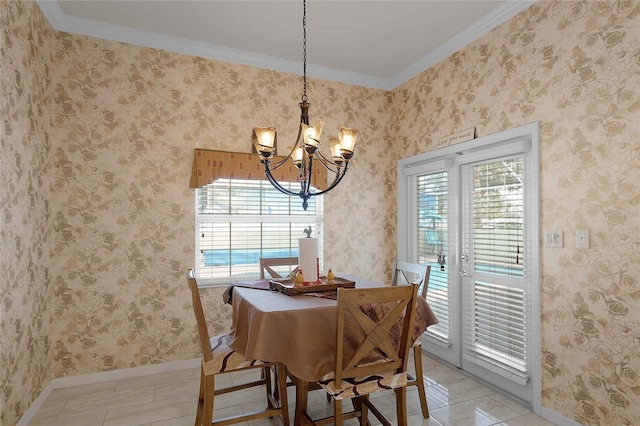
(218, 357)
(268, 263)
(414, 273)
(373, 336)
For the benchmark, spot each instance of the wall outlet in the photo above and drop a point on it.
(582, 239)
(554, 238)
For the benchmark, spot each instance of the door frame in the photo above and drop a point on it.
(408, 166)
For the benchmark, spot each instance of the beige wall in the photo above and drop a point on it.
(25, 207)
(119, 220)
(125, 124)
(574, 67)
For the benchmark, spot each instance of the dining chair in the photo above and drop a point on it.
(267, 264)
(217, 358)
(373, 331)
(414, 273)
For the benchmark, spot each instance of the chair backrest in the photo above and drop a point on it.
(412, 273)
(205, 343)
(267, 264)
(385, 317)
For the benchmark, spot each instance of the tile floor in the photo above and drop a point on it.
(169, 399)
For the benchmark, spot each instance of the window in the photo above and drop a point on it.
(239, 221)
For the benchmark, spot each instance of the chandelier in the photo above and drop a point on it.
(305, 154)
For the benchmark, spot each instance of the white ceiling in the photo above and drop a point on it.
(378, 44)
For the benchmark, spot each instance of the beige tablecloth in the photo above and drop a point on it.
(298, 331)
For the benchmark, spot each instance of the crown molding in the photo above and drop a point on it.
(62, 22)
(474, 31)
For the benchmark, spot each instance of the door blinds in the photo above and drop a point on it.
(497, 338)
(498, 205)
(432, 207)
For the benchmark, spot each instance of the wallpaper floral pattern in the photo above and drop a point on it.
(126, 122)
(105, 252)
(575, 68)
(25, 209)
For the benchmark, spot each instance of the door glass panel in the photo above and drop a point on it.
(494, 293)
(498, 205)
(499, 324)
(432, 208)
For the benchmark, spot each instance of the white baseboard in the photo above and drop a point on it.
(557, 418)
(105, 376)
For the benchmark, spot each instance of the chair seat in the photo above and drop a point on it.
(363, 385)
(226, 359)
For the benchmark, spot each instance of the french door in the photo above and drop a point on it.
(470, 211)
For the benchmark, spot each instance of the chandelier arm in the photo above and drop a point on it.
(277, 184)
(327, 163)
(275, 166)
(335, 182)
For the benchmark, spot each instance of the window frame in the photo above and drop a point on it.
(316, 221)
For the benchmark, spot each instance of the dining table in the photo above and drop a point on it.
(298, 331)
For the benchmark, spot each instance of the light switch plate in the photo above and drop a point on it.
(554, 238)
(582, 238)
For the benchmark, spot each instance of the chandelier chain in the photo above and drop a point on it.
(304, 51)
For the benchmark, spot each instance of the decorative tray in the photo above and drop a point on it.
(285, 285)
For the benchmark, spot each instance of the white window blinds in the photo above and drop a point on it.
(498, 205)
(497, 304)
(432, 204)
(239, 221)
(499, 324)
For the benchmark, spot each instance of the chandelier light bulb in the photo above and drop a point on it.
(265, 138)
(296, 155)
(347, 141)
(336, 152)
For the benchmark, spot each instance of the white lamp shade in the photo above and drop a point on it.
(265, 137)
(347, 139)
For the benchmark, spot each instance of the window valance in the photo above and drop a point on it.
(209, 166)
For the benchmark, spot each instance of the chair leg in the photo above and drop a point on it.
(417, 355)
(281, 387)
(266, 376)
(200, 411)
(209, 397)
(364, 412)
(401, 405)
(337, 412)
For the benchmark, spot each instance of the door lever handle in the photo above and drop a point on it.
(464, 274)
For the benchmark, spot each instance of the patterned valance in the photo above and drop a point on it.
(209, 166)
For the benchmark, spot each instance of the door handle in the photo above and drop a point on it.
(464, 274)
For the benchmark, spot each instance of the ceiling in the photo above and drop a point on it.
(378, 44)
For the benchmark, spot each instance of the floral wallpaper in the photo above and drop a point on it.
(97, 229)
(126, 121)
(25, 209)
(575, 68)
